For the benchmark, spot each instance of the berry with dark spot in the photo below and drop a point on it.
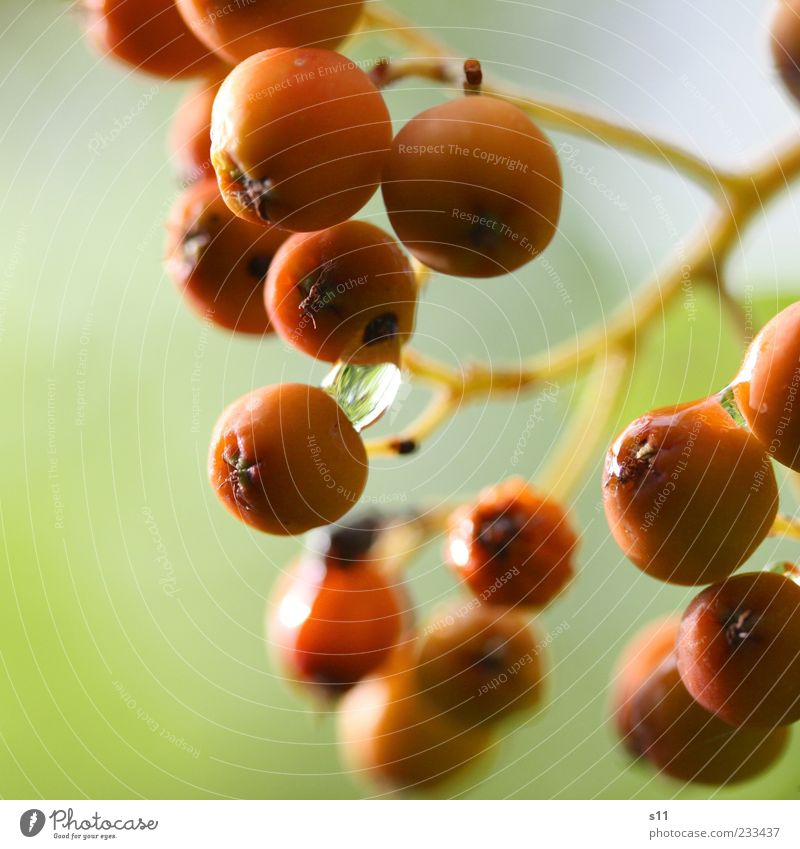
(473, 187)
(688, 494)
(512, 546)
(739, 649)
(299, 138)
(285, 459)
(348, 292)
(219, 261)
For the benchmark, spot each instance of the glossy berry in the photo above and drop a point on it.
(512, 546)
(739, 649)
(643, 654)
(481, 664)
(190, 134)
(393, 737)
(149, 35)
(218, 261)
(335, 621)
(768, 388)
(299, 138)
(286, 459)
(348, 292)
(473, 187)
(785, 43)
(660, 722)
(688, 495)
(237, 29)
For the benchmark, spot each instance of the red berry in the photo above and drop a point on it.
(481, 664)
(739, 649)
(219, 261)
(299, 138)
(334, 621)
(392, 736)
(149, 35)
(660, 722)
(190, 133)
(688, 494)
(785, 44)
(286, 459)
(237, 29)
(473, 187)
(344, 293)
(768, 387)
(512, 546)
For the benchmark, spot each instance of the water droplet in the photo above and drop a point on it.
(727, 400)
(365, 393)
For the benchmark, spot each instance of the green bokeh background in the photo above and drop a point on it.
(133, 661)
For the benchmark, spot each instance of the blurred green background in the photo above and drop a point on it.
(131, 605)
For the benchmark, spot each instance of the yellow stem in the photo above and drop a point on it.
(578, 445)
(785, 526)
(380, 18)
(441, 408)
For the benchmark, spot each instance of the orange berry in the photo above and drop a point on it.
(335, 621)
(286, 459)
(481, 664)
(688, 494)
(739, 649)
(512, 546)
(768, 388)
(660, 722)
(149, 35)
(299, 138)
(473, 187)
(344, 293)
(218, 261)
(390, 735)
(237, 29)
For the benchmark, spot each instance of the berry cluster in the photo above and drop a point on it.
(690, 492)
(280, 144)
(418, 704)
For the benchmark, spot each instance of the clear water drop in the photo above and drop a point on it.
(727, 400)
(365, 393)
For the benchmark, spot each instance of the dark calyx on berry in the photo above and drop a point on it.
(739, 626)
(341, 546)
(497, 529)
(242, 475)
(381, 329)
(258, 266)
(635, 461)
